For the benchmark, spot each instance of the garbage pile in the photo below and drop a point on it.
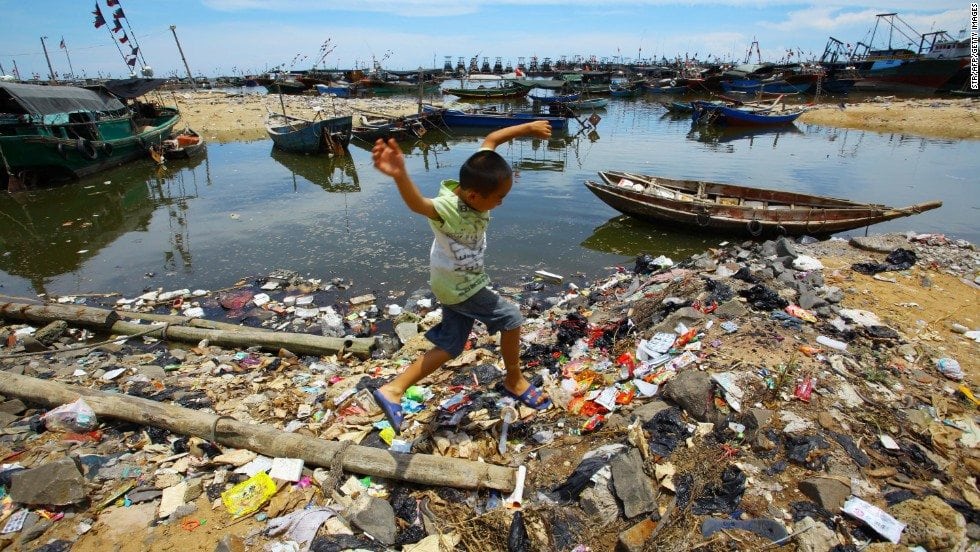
(783, 395)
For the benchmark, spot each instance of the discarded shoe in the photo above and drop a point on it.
(393, 411)
(532, 397)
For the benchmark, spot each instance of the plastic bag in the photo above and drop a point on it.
(249, 495)
(76, 417)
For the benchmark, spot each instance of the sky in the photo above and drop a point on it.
(236, 37)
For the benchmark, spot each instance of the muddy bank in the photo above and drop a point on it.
(773, 382)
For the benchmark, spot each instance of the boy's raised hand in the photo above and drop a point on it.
(539, 129)
(388, 158)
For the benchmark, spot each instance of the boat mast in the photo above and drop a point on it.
(65, 48)
(50, 69)
(173, 29)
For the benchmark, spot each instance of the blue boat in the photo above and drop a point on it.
(718, 113)
(490, 119)
(624, 91)
(554, 99)
(775, 87)
(302, 136)
(657, 89)
(337, 90)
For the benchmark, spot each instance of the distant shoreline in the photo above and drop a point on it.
(224, 117)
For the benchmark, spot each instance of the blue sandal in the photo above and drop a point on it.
(532, 397)
(392, 411)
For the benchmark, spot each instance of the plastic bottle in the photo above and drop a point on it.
(832, 343)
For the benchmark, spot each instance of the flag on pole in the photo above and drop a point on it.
(118, 14)
(131, 61)
(117, 27)
(134, 51)
(123, 39)
(99, 20)
(111, 3)
(62, 45)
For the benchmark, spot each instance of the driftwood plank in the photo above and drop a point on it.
(417, 468)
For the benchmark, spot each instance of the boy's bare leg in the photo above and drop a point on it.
(510, 349)
(423, 366)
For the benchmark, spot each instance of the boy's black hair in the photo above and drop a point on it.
(483, 172)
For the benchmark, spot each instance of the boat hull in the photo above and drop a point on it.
(311, 136)
(713, 113)
(454, 117)
(40, 159)
(740, 210)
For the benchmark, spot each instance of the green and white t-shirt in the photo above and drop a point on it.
(456, 257)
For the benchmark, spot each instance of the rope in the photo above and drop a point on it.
(214, 426)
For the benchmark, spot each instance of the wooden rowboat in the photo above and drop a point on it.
(739, 209)
(302, 136)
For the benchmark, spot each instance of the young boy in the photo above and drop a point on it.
(458, 217)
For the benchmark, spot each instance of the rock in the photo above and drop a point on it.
(152, 371)
(833, 294)
(13, 406)
(375, 517)
(810, 300)
(34, 531)
(634, 538)
(829, 493)
(731, 310)
(755, 419)
(173, 498)
(7, 419)
(813, 536)
(884, 243)
(230, 543)
(646, 411)
(632, 485)
(57, 483)
(50, 333)
(786, 248)
(931, 523)
(691, 390)
(406, 331)
(768, 249)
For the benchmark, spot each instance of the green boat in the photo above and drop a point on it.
(52, 134)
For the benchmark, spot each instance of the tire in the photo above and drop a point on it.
(86, 148)
(107, 149)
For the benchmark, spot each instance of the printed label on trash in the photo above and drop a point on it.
(249, 495)
(16, 522)
(876, 518)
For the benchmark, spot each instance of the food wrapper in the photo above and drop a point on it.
(249, 495)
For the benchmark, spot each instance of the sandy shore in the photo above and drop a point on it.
(957, 119)
(225, 117)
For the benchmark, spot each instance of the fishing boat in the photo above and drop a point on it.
(51, 134)
(680, 108)
(377, 126)
(336, 89)
(778, 86)
(664, 89)
(739, 209)
(617, 90)
(184, 145)
(554, 98)
(587, 104)
(744, 115)
(292, 87)
(489, 92)
(494, 119)
(303, 136)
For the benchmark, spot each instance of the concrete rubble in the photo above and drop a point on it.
(796, 390)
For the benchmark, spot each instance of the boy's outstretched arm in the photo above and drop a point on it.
(538, 129)
(389, 160)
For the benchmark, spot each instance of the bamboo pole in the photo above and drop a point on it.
(425, 469)
(217, 333)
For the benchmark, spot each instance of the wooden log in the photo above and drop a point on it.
(186, 321)
(217, 333)
(89, 317)
(417, 468)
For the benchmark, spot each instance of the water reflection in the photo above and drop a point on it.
(333, 174)
(752, 136)
(624, 235)
(55, 231)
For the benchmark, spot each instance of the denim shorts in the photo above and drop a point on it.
(486, 306)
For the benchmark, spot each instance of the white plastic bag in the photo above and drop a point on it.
(76, 417)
